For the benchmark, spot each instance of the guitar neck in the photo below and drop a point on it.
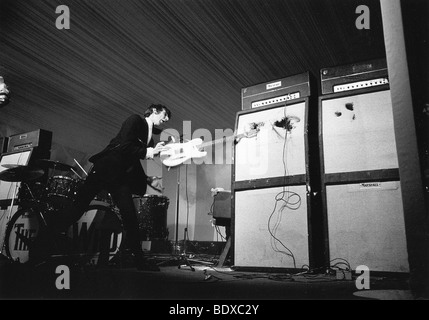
(205, 144)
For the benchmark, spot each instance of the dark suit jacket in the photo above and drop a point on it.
(119, 162)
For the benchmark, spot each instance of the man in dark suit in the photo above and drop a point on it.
(117, 170)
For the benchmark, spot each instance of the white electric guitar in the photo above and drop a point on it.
(175, 154)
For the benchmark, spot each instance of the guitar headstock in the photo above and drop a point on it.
(253, 128)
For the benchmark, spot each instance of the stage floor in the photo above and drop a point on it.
(177, 282)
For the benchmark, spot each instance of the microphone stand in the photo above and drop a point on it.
(177, 255)
(181, 256)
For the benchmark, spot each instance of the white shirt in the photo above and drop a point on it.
(149, 152)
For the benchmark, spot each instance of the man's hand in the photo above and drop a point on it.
(155, 183)
(160, 146)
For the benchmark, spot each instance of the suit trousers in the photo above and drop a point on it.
(122, 197)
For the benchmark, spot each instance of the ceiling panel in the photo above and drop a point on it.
(194, 56)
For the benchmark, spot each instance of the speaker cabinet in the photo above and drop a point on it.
(366, 225)
(358, 133)
(271, 207)
(277, 145)
(271, 228)
(361, 193)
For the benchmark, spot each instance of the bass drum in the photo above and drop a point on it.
(100, 227)
(21, 229)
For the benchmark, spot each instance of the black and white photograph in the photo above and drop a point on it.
(217, 157)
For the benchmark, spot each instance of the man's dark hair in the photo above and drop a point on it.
(158, 108)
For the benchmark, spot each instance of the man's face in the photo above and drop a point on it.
(4, 95)
(160, 118)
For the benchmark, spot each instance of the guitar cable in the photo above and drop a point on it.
(287, 204)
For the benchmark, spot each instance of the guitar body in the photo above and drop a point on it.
(177, 153)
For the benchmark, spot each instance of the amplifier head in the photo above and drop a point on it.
(28, 140)
(276, 92)
(354, 76)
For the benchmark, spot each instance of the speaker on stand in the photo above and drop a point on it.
(361, 191)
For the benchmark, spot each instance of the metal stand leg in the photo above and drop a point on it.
(183, 255)
(224, 253)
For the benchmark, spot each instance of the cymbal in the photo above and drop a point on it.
(10, 165)
(56, 165)
(21, 173)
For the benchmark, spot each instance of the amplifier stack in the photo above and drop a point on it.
(361, 191)
(319, 181)
(271, 178)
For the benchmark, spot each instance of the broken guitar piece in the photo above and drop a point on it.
(287, 122)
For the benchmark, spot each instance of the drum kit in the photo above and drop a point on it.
(43, 193)
(56, 192)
